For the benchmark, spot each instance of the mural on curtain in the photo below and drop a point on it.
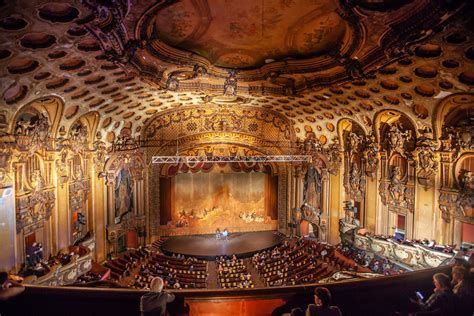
(123, 195)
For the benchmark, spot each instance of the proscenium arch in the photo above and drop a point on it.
(244, 125)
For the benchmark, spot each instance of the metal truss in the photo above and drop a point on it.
(217, 159)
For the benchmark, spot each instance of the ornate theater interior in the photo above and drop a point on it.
(331, 143)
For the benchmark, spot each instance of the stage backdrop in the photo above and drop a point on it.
(198, 203)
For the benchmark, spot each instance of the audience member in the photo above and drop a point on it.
(154, 302)
(9, 288)
(322, 304)
(463, 290)
(441, 302)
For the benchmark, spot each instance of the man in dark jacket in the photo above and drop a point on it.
(154, 302)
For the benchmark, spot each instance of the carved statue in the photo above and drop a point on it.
(354, 142)
(78, 173)
(309, 145)
(334, 155)
(40, 131)
(395, 187)
(397, 138)
(23, 127)
(352, 65)
(354, 178)
(465, 200)
(354, 182)
(79, 138)
(312, 188)
(371, 153)
(230, 85)
(425, 156)
(100, 155)
(463, 137)
(37, 181)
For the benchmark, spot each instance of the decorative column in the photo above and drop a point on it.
(98, 199)
(335, 207)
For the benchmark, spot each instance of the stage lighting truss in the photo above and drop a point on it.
(219, 159)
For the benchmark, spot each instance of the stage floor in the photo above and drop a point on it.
(208, 247)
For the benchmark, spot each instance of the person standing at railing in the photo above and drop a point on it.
(154, 303)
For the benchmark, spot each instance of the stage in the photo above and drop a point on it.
(242, 244)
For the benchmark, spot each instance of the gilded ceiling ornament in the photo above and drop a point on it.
(175, 77)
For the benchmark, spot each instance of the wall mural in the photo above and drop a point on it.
(123, 195)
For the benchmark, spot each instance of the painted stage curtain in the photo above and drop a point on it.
(271, 198)
(166, 195)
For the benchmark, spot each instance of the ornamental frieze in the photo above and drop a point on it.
(219, 118)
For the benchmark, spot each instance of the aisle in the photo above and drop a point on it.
(254, 272)
(212, 282)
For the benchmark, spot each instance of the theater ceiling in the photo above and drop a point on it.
(314, 62)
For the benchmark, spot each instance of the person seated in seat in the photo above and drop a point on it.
(463, 290)
(9, 288)
(441, 302)
(322, 304)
